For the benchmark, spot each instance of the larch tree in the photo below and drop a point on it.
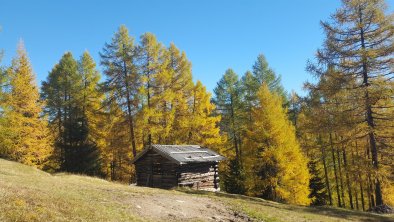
(311, 135)
(3, 76)
(91, 102)
(359, 46)
(180, 85)
(116, 153)
(154, 76)
(4, 82)
(119, 61)
(325, 129)
(228, 103)
(153, 89)
(27, 137)
(202, 125)
(91, 97)
(249, 88)
(263, 74)
(276, 168)
(163, 99)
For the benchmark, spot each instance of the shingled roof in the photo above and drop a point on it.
(183, 154)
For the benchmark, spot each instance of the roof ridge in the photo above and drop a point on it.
(175, 145)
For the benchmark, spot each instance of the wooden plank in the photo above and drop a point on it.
(156, 171)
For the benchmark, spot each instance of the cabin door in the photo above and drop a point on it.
(157, 174)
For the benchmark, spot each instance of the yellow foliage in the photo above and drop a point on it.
(202, 125)
(27, 135)
(274, 162)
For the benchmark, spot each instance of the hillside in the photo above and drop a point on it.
(28, 194)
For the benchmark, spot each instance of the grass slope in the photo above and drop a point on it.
(28, 194)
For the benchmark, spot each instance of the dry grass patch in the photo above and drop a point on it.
(28, 194)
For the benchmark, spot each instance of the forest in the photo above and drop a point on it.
(333, 146)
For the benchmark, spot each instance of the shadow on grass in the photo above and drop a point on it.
(347, 214)
(326, 211)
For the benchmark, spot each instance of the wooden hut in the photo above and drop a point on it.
(170, 166)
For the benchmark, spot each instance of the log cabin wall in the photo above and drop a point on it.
(153, 170)
(200, 176)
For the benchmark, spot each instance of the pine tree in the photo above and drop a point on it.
(276, 167)
(58, 92)
(359, 47)
(76, 152)
(234, 177)
(318, 193)
(27, 137)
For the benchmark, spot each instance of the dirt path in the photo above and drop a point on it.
(184, 207)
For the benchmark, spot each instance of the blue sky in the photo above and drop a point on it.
(215, 34)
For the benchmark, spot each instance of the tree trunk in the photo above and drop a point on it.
(194, 110)
(341, 178)
(356, 198)
(149, 107)
(235, 140)
(369, 116)
(361, 191)
(335, 171)
(360, 180)
(323, 151)
(355, 189)
(370, 189)
(129, 111)
(349, 186)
